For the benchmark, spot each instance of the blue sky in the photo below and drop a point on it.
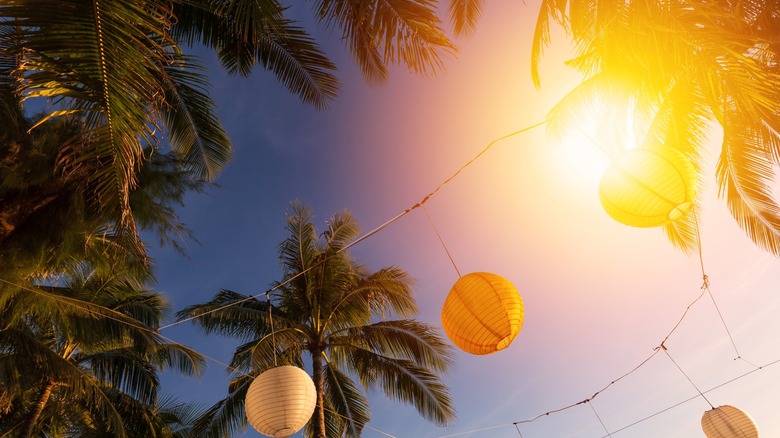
(599, 296)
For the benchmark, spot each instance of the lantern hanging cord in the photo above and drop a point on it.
(518, 430)
(741, 376)
(587, 400)
(628, 426)
(599, 418)
(665, 350)
(442, 241)
(706, 287)
(366, 235)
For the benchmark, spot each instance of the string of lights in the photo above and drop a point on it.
(704, 289)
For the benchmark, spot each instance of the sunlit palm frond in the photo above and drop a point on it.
(683, 233)
(744, 175)
(464, 15)
(549, 11)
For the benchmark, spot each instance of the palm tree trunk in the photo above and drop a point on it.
(319, 383)
(43, 397)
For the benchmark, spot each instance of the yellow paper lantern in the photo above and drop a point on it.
(648, 187)
(483, 313)
(728, 422)
(280, 401)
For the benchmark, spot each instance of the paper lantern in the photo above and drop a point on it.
(728, 422)
(280, 401)
(648, 187)
(483, 313)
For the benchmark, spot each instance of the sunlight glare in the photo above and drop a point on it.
(589, 141)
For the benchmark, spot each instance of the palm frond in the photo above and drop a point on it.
(196, 134)
(405, 381)
(402, 339)
(230, 314)
(379, 33)
(464, 15)
(226, 417)
(347, 400)
(744, 176)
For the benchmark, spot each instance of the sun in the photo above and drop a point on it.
(587, 141)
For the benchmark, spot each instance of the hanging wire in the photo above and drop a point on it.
(271, 322)
(368, 234)
(156, 333)
(363, 424)
(686, 376)
(600, 420)
(518, 430)
(442, 241)
(741, 376)
(706, 288)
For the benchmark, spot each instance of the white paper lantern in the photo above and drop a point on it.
(728, 422)
(280, 401)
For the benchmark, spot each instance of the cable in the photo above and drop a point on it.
(155, 333)
(370, 233)
(363, 424)
(600, 420)
(442, 241)
(696, 396)
(686, 376)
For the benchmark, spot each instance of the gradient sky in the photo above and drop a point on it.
(599, 296)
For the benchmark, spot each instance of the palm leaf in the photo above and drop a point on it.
(403, 339)
(346, 400)
(464, 15)
(379, 33)
(227, 416)
(405, 381)
(196, 135)
(744, 175)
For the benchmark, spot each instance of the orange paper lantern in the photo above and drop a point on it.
(483, 313)
(648, 187)
(280, 401)
(728, 422)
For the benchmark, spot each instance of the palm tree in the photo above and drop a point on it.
(83, 355)
(686, 67)
(49, 224)
(119, 65)
(336, 312)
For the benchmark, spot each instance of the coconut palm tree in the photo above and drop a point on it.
(120, 66)
(83, 355)
(685, 67)
(339, 315)
(49, 223)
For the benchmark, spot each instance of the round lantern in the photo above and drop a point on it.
(728, 422)
(648, 187)
(483, 313)
(280, 401)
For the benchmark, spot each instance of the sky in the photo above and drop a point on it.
(599, 296)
